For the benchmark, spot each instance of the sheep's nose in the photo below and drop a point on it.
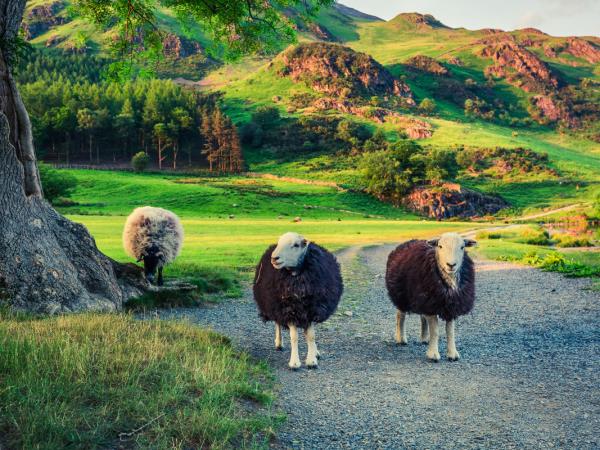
(274, 258)
(451, 266)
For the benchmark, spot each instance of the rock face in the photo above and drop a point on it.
(180, 47)
(340, 71)
(41, 18)
(550, 109)
(519, 66)
(426, 21)
(427, 64)
(451, 200)
(582, 48)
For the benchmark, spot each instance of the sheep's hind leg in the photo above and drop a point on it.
(278, 340)
(160, 276)
(313, 353)
(452, 353)
(294, 358)
(400, 328)
(424, 331)
(432, 351)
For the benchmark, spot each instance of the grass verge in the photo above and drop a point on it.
(110, 381)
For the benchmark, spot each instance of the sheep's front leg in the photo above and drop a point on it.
(294, 358)
(313, 353)
(452, 353)
(424, 331)
(400, 328)
(433, 351)
(278, 341)
(160, 276)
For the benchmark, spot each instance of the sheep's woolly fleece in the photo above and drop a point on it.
(148, 226)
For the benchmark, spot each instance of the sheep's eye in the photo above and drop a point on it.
(463, 247)
(439, 246)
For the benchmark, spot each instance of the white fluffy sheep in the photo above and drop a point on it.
(155, 236)
(432, 278)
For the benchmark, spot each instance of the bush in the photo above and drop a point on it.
(55, 183)
(565, 240)
(266, 116)
(535, 237)
(140, 161)
(427, 106)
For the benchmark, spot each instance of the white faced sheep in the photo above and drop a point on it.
(155, 236)
(297, 285)
(432, 278)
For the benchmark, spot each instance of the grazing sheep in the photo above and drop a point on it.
(297, 285)
(432, 278)
(155, 236)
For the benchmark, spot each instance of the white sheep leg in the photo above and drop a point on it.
(400, 328)
(312, 355)
(278, 340)
(294, 358)
(424, 331)
(452, 353)
(433, 351)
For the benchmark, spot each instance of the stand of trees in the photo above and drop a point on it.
(78, 118)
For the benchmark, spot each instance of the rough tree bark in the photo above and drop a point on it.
(47, 263)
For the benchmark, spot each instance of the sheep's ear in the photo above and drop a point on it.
(140, 259)
(304, 243)
(470, 243)
(433, 242)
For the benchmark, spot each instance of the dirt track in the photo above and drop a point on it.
(529, 376)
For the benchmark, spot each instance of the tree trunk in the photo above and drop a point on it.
(47, 263)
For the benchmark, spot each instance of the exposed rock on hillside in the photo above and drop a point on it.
(180, 47)
(424, 21)
(426, 64)
(340, 71)
(550, 108)
(581, 48)
(519, 66)
(451, 200)
(41, 18)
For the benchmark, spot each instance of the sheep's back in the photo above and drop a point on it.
(312, 296)
(415, 285)
(148, 226)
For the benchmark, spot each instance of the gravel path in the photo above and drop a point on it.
(529, 376)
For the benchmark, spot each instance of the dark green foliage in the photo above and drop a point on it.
(427, 106)
(500, 162)
(391, 173)
(140, 161)
(266, 116)
(78, 117)
(57, 184)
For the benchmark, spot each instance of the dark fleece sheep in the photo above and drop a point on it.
(415, 284)
(310, 296)
(433, 280)
(300, 295)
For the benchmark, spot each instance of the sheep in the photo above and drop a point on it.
(432, 278)
(297, 284)
(155, 236)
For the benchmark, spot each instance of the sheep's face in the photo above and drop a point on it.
(290, 251)
(450, 251)
(152, 258)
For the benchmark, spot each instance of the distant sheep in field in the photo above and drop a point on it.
(432, 278)
(155, 236)
(297, 285)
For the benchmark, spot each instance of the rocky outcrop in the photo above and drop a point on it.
(340, 71)
(451, 200)
(180, 47)
(420, 21)
(321, 32)
(426, 64)
(520, 66)
(41, 18)
(581, 48)
(455, 61)
(551, 109)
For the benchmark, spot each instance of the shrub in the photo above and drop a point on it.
(56, 184)
(266, 116)
(535, 237)
(427, 106)
(140, 162)
(565, 240)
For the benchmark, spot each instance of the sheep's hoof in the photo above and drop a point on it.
(433, 356)
(294, 366)
(425, 341)
(453, 356)
(312, 366)
(401, 342)
(279, 348)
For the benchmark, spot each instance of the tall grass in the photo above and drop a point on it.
(109, 381)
